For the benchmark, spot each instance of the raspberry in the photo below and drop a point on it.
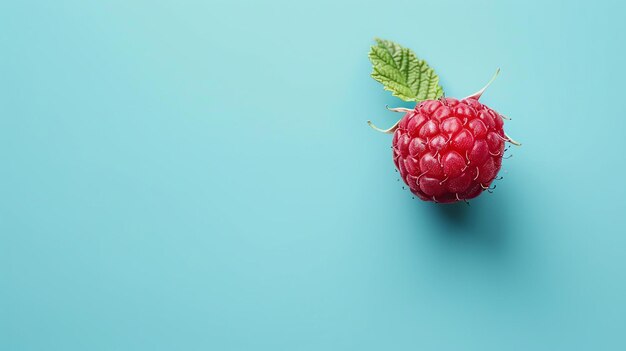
(448, 150)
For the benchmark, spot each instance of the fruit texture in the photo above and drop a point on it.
(448, 150)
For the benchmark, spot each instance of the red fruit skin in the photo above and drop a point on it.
(449, 150)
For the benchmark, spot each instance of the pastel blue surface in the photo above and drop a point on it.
(192, 175)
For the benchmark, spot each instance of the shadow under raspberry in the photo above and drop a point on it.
(481, 224)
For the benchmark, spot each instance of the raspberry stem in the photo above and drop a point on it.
(398, 109)
(510, 140)
(386, 131)
(479, 93)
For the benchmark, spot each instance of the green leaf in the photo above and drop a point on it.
(402, 73)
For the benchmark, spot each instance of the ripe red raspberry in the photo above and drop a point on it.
(448, 150)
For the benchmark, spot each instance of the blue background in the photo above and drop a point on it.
(192, 175)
